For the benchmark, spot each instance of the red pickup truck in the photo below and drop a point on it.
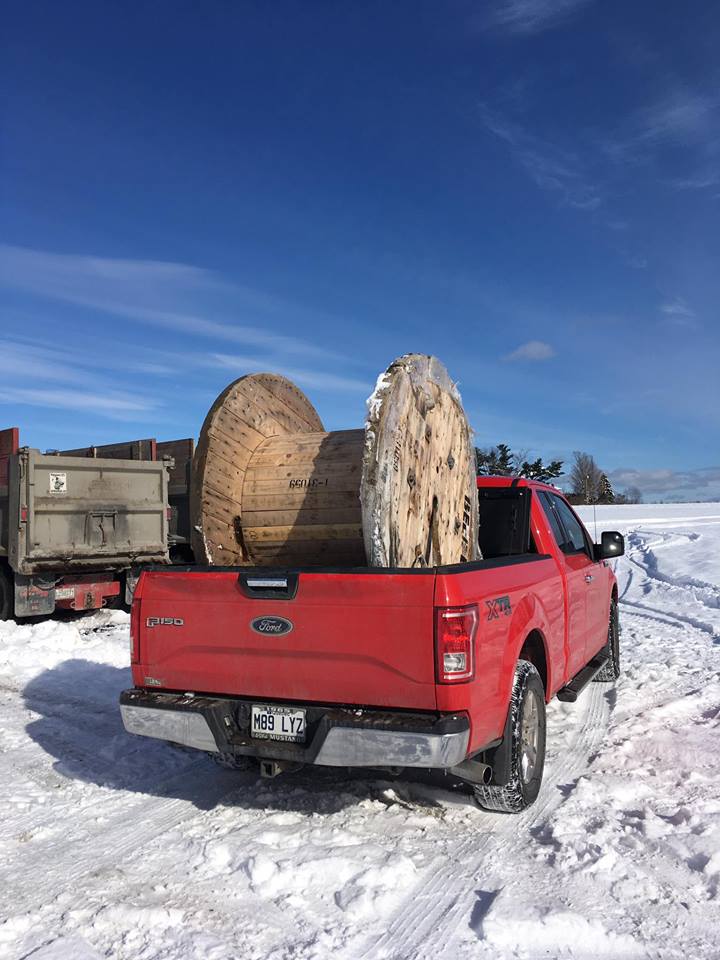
(433, 667)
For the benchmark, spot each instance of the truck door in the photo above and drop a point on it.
(577, 563)
(597, 599)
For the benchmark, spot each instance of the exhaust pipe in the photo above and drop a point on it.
(473, 771)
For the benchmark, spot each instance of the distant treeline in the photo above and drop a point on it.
(586, 482)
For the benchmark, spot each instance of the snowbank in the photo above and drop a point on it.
(114, 846)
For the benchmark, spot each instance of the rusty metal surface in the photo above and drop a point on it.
(130, 450)
(73, 513)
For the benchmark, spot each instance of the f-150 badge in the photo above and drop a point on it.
(497, 606)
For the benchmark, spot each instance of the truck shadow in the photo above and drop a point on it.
(77, 723)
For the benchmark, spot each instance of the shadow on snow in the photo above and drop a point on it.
(78, 723)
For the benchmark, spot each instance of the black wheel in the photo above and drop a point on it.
(7, 600)
(610, 670)
(526, 746)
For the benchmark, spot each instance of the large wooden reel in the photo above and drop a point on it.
(418, 493)
(271, 487)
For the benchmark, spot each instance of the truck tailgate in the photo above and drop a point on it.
(354, 637)
(79, 513)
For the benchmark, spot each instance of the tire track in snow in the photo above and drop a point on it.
(653, 575)
(669, 619)
(129, 831)
(423, 926)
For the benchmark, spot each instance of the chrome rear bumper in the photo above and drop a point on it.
(345, 747)
(336, 737)
(177, 726)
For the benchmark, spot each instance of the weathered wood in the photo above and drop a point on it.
(318, 464)
(271, 488)
(246, 413)
(419, 501)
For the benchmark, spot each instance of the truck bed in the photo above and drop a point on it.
(363, 637)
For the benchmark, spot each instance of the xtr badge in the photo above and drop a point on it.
(497, 606)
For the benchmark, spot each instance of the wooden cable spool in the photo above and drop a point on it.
(272, 488)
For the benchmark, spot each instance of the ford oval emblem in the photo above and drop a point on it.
(271, 626)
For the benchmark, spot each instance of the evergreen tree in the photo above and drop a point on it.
(494, 461)
(537, 470)
(500, 461)
(607, 495)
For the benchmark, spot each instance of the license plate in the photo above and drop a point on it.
(64, 593)
(268, 722)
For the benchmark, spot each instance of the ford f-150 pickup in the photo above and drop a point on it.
(431, 667)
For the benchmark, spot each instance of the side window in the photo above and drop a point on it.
(573, 527)
(553, 520)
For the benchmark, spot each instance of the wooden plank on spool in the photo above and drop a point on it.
(301, 499)
(311, 531)
(303, 553)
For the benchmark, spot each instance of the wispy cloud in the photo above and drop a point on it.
(681, 118)
(533, 350)
(26, 358)
(549, 166)
(116, 406)
(683, 113)
(700, 181)
(679, 313)
(155, 293)
(22, 360)
(636, 262)
(316, 379)
(532, 16)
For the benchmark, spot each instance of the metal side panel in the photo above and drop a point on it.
(79, 513)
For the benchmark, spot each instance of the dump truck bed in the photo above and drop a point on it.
(69, 513)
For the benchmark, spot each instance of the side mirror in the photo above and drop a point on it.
(612, 544)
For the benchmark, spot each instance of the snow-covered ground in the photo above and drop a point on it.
(114, 846)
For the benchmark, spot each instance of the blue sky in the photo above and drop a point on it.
(529, 189)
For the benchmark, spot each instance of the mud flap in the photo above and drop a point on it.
(34, 596)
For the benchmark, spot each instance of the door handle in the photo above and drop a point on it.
(589, 578)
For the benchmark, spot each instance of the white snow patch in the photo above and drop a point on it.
(114, 846)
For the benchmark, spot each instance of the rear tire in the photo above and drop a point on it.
(526, 746)
(7, 600)
(610, 670)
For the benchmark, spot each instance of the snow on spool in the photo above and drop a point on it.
(272, 488)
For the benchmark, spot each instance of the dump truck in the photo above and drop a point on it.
(77, 525)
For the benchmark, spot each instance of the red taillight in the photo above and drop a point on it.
(455, 629)
(168, 514)
(23, 514)
(135, 631)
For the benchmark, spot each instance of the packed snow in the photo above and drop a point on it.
(116, 846)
